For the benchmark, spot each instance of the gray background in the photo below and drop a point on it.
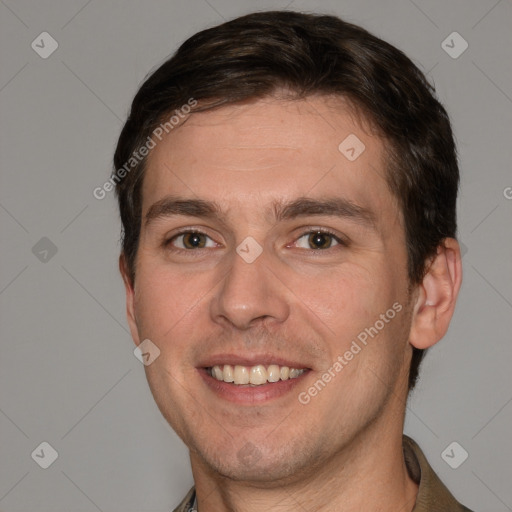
(68, 373)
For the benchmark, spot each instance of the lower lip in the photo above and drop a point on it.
(247, 394)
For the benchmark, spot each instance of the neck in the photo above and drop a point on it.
(368, 474)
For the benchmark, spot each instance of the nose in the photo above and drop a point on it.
(250, 294)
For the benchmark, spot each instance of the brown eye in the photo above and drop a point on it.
(320, 240)
(317, 240)
(192, 240)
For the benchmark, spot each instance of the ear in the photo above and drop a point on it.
(436, 296)
(130, 299)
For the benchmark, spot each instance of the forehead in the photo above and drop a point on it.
(247, 156)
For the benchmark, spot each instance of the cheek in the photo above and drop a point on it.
(164, 300)
(350, 298)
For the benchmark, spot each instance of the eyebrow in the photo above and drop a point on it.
(301, 207)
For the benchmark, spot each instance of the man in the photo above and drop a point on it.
(287, 186)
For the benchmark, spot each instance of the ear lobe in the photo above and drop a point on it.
(437, 295)
(130, 299)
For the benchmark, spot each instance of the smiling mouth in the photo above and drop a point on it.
(256, 375)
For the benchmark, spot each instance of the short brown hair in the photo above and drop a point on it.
(253, 56)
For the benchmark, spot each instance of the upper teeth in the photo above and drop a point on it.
(255, 375)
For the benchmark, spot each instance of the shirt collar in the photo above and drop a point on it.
(433, 496)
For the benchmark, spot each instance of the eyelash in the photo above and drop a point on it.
(167, 242)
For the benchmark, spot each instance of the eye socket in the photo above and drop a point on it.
(319, 240)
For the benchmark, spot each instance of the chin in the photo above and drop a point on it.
(256, 462)
(264, 471)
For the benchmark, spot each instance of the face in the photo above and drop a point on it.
(268, 252)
